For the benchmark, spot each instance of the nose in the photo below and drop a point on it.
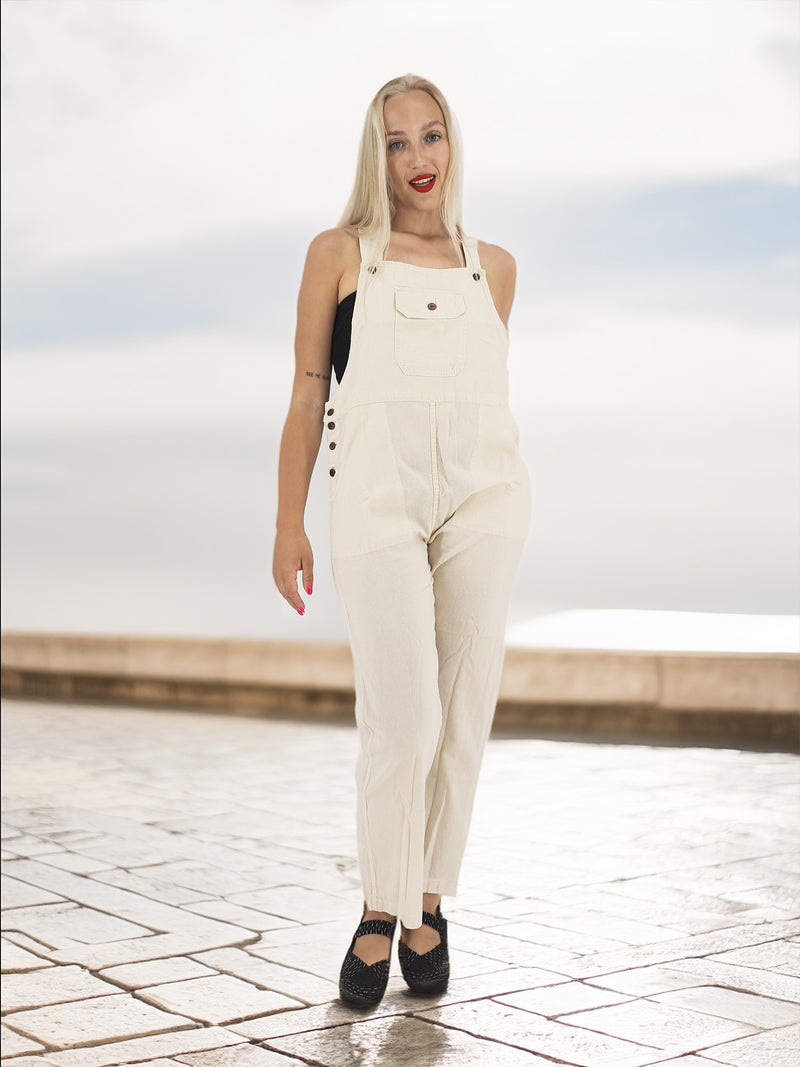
(418, 156)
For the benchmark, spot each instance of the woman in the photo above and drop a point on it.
(429, 510)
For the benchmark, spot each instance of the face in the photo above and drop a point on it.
(417, 150)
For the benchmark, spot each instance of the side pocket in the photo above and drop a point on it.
(430, 332)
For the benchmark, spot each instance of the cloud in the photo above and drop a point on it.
(144, 125)
(709, 248)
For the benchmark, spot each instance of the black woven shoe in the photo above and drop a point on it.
(365, 983)
(430, 972)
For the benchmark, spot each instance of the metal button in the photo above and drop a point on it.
(329, 411)
(332, 471)
(477, 277)
(331, 425)
(332, 444)
(431, 306)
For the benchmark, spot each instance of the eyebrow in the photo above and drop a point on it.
(427, 126)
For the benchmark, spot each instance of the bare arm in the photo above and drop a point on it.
(328, 257)
(501, 274)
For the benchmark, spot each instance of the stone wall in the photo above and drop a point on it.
(729, 699)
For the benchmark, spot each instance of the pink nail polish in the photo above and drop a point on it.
(301, 611)
(308, 590)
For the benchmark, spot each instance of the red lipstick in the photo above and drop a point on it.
(423, 183)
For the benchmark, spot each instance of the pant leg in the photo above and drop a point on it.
(388, 600)
(473, 574)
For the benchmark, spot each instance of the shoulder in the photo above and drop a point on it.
(501, 275)
(334, 247)
(498, 262)
(332, 255)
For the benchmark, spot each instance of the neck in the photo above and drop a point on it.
(425, 224)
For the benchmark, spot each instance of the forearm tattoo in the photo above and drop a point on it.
(313, 374)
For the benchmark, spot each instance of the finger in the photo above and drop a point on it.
(289, 590)
(308, 577)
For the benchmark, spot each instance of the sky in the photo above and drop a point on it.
(165, 165)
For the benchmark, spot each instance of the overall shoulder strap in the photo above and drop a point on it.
(471, 252)
(367, 244)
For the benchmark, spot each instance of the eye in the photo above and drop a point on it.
(395, 146)
(433, 137)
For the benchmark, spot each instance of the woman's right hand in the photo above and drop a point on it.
(292, 555)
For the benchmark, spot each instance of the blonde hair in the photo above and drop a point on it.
(370, 209)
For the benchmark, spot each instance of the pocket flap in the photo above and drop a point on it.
(429, 304)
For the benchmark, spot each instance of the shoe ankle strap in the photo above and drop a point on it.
(376, 926)
(435, 920)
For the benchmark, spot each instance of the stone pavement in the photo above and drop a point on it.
(180, 888)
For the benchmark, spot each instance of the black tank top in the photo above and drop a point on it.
(340, 338)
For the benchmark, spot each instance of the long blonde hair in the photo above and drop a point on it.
(370, 209)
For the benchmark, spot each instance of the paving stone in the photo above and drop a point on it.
(17, 894)
(747, 979)
(674, 1030)
(668, 917)
(115, 1053)
(553, 1001)
(712, 944)
(150, 887)
(97, 1019)
(204, 878)
(160, 1062)
(77, 863)
(396, 1002)
(401, 1042)
(774, 1048)
(14, 1044)
(778, 895)
(247, 918)
(138, 950)
(58, 924)
(25, 845)
(16, 958)
(763, 1012)
(157, 972)
(293, 902)
(497, 984)
(642, 981)
(536, 1034)
(688, 1061)
(38, 948)
(131, 906)
(239, 1056)
(511, 950)
(657, 889)
(476, 920)
(778, 955)
(52, 985)
(300, 985)
(218, 999)
(545, 936)
(612, 927)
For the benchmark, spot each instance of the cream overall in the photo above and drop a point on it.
(429, 510)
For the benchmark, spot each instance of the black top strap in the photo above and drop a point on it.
(376, 926)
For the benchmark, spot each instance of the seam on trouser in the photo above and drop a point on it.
(434, 465)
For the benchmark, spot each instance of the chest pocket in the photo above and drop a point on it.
(430, 332)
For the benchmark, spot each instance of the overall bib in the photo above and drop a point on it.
(429, 510)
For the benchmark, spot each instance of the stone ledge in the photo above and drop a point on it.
(731, 699)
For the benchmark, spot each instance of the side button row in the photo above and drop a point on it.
(332, 445)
